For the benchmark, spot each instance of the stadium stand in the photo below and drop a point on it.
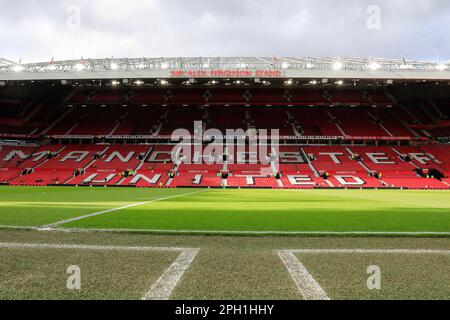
(347, 138)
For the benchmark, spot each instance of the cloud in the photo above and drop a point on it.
(39, 30)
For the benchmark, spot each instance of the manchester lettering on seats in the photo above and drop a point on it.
(119, 156)
(77, 156)
(15, 153)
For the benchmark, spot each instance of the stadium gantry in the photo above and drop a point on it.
(133, 68)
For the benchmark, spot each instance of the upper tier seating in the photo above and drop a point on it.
(363, 126)
(315, 122)
(272, 119)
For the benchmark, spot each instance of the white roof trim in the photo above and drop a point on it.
(287, 67)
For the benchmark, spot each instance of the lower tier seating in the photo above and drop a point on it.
(421, 167)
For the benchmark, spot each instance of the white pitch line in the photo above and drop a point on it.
(88, 247)
(361, 251)
(300, 233)
(163, 288)
(55, 224)
(307, 285)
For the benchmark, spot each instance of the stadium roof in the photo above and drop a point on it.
(225, 67)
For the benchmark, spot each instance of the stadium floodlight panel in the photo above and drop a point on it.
(79, 67)
(338, 65)
(285, 65)
(18, 68)
(441, 67)
(407, 66)
(114, 66)
(374, 66)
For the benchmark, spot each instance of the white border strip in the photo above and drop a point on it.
(19, 227)
(306, 284)
(161, 290)
(231, 232)
(55, 224)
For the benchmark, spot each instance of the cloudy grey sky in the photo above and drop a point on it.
(37, 30)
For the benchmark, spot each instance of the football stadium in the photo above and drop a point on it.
(229, 178)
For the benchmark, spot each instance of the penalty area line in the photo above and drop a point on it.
(308, 286)
(58, 223)
(161, 290)
(370, 251)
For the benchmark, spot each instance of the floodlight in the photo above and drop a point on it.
(406, 66)
(79, 67)
(114, 66)
(374, 66)
(441, 67)
(18, 68)
(285, 65)
(338, 65)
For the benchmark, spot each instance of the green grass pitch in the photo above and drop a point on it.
(231, 210)
(226, 267)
